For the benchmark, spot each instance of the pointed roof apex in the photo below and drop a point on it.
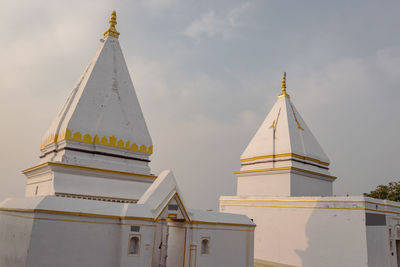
(112, 31)
(284, 94)
(102, 113)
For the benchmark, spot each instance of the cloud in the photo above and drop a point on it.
(351, 106)
(203, 104)
(155, 7)
(200, 125)
(41, 36)
(211, 25)
(388, 62)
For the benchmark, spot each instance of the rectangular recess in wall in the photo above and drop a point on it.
(375, 219)
(173, 207)
(135, 228)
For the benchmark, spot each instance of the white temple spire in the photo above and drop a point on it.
(100, 128)
(102, 112)
(284, 143)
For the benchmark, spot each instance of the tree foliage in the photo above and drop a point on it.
(389, 192)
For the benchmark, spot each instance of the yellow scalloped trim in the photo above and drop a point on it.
(105, 141)
(50, 139)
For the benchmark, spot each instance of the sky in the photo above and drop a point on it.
(206, 74)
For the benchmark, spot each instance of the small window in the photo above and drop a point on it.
(172, 207)
(135, 228)
(36, 190)
(205, 246)
(134, 246)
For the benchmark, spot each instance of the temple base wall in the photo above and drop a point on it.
(283, 183)
(322, 231)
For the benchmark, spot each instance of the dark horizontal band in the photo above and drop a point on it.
(93, 152)
(278, 160)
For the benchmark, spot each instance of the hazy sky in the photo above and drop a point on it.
(206, 74)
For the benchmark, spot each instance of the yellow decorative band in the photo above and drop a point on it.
(308, 200)
(105, 141)
(48, 211)
(283, 94)
(87, 169)
(111, 33)
(77, 214)
(300, 207)
(296, 200)
(286, 155)
(287, 168)
(310, 207)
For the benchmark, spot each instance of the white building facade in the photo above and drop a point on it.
(285, 187)
(92, 199)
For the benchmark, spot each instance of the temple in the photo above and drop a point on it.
(284, 158)
(93, 201)
(101, 127)
(285, 187)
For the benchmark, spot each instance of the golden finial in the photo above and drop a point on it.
(111, 30)
(284, 86)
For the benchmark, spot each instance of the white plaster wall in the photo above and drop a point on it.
(96, 186)
(308, 237)
(301, 185)
(74, 241)
(44, 187)
(311, 166)
(277, 184)
(282, 184)
(100, 161)
(45, 240)
(146, 234)
(378, 246)
(228, 248)
(14, 239)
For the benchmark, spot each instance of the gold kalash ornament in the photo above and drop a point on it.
(111, 30)
(284, 94)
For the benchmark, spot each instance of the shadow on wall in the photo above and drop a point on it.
(263, 263)
(336, 237)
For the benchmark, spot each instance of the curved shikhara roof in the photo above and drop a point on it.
(103, 107)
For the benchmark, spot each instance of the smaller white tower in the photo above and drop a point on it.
(284, 158)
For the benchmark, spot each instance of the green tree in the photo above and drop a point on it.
(389, 192)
